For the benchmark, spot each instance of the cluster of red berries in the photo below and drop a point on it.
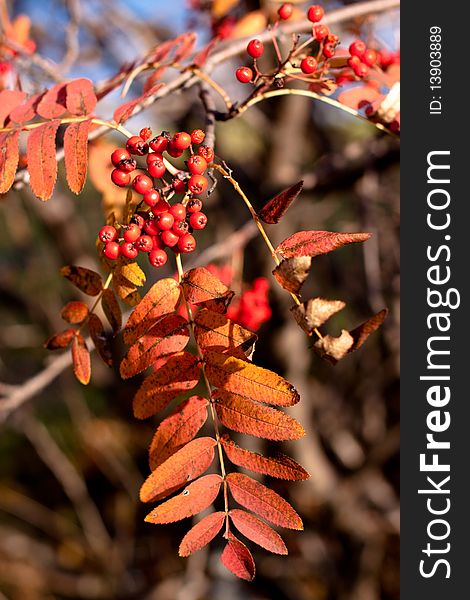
(252, 310)
(362, 58)
(161, 225)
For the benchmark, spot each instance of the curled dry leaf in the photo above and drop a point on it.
(185, 465)
(314, 243)
(315, 311)
(89, 282)
(74, 312)
(81, 359)
(237, 558)
(196, 497)
(292, 273)
(363, 331)
(333, 348)
(255, 530)
(201, 287)
(61, 340)
(277, 207)
(100, 339)
(202, 533)
(177, 429)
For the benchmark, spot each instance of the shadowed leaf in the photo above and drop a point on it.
(81, 359)
(202, 533)
(363, 331)
(215, 329)
(277, 207)
(313, 243)
(100, 339)
(292, 272)
(89, 282)
(316, 311)
(42, 163)
(201, 287)
(112, 310)
(237, 558)
(25, 112)
(257, 531)
(52, 104)
(76, 154)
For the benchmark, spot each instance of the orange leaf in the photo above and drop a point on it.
(81, 359)
(160, 300)
(219, 8)
(202, 533)
(42, 163)
(313, 243)
(196, 497)
(9, 100)
(356, 97)
(280, 466)
(81, 99)
(111, 309)
(185, 465)
(179, 374)
(25, 112)
(124, 112)
(9, 154)
(89, 282)
(100, 339)
(250, 24)
(214, 329)
(261, 500)
(276, 208)
(167, 336)
(201, 287)
(76, 154)
(257, 531)
(244, 378)
(52, 104)
(237, 558)
(60, 340)
(177, 429)
(245, 416)
(74, 312)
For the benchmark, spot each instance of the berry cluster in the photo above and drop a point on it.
(252, 310)
(362, 58)
(159, 225)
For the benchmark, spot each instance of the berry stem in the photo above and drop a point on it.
(213, 413)
(215, 86)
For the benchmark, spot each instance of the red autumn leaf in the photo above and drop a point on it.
(42, 163)
(216, 330)
(280, 466)
(241, 377)
(179, 374)
(177, 429)
(167, 336)
(80, 99)
(81, 359)
(27, 111)
(185, 465)
(52, 104)
(186, 43)
(237, 558)
(261, 500)
(196, 497)
(111, 309)
(74, 312)
(124, 112)
(355, 97)
(202, 533)
(76, 154)
(363, 331)
(277, 207)
(9, 154)
(9, 100)
(313, 243)
(100, 339)
(245, 416)
(201, 287)
(160, 300)
(201, 57)
(60, 340)
(89, 282)
(255, 530)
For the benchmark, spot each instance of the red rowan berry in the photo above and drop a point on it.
(127, 165)
(119, 155)
(169, 238)
(361, 70)
(132, 232)
(357, 48)
(165, 221)
(206, 152)
(151, 227)
(156, 167)
(112, 250)
(197, 136)
(157, 242)
(197, 184)
(120, 178)
(128, 250)
(173, 151)
(197, 164)
(186, 243)
(151, 198)
(178, 211)
(285, 11)
(370, 57)
(179, 185)
(145, 133)
(144, 243)
(107, 233)
(332, 39)
(308, 65)
(138, 220)
(159, 144)
(320, 32)
(181, 140)
(354, 61)
(255, 48)
(198, 220)
(194, 205)
(315, 13)
(158, 257)
(329, 50)
(161, 207)
(180, 228)
(142, 183)
(244, 74)
(136, 145)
